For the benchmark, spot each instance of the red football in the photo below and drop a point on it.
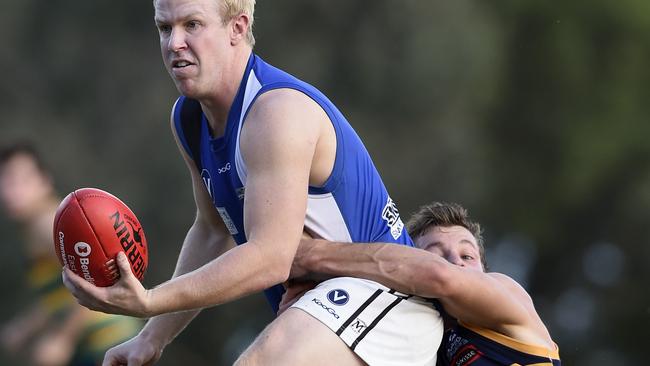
(90, 227)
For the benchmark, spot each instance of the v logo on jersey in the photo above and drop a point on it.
(338, 297)
(207, 181)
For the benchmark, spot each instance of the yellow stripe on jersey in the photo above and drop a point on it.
(531, 349)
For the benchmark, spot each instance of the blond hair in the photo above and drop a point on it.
(231, 9)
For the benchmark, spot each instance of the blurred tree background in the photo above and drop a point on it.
(531, 114)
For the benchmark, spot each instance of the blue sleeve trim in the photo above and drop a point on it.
(178, 107)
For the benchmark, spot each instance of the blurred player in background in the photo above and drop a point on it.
(53, 330)
(491, 318)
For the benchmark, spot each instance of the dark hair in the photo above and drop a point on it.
(23, 148)
(445, 214)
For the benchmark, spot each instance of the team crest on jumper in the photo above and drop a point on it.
(391, 215)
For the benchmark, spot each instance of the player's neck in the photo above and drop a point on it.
(217, 107)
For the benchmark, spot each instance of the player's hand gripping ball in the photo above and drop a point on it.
(90, 227)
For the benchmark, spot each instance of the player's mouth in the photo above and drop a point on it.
(182, 67)
(181, 64)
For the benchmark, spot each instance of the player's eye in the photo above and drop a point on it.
(164, 28)
(467, 257)
(192, 24)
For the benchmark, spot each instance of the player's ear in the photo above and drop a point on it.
(239, 29)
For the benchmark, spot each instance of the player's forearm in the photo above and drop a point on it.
(404, 269)
(163, 329)
(241, 271)
(202, 244)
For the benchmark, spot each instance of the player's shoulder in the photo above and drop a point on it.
(504, 279)
(512, 285)
(280, 120)
(283, 99)
(284, 108)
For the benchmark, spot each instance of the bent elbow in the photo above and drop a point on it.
(280, 275)
(277, 272)
(274, 265)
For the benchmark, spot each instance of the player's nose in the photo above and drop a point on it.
(176, 41)
(454, 258)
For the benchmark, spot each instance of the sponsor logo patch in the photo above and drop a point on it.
(392, 218)
(82, 249)
(466, 356)
(227, 221)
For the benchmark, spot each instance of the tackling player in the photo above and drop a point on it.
(269, 156)
(494, 321)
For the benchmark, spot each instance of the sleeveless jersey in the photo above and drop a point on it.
(353, 204)
(465, 345)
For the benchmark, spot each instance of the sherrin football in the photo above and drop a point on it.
(90, 228)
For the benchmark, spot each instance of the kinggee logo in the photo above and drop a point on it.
(224, 168)
(326, 308)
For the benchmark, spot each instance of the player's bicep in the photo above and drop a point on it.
(277, 143)
(484, 300)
